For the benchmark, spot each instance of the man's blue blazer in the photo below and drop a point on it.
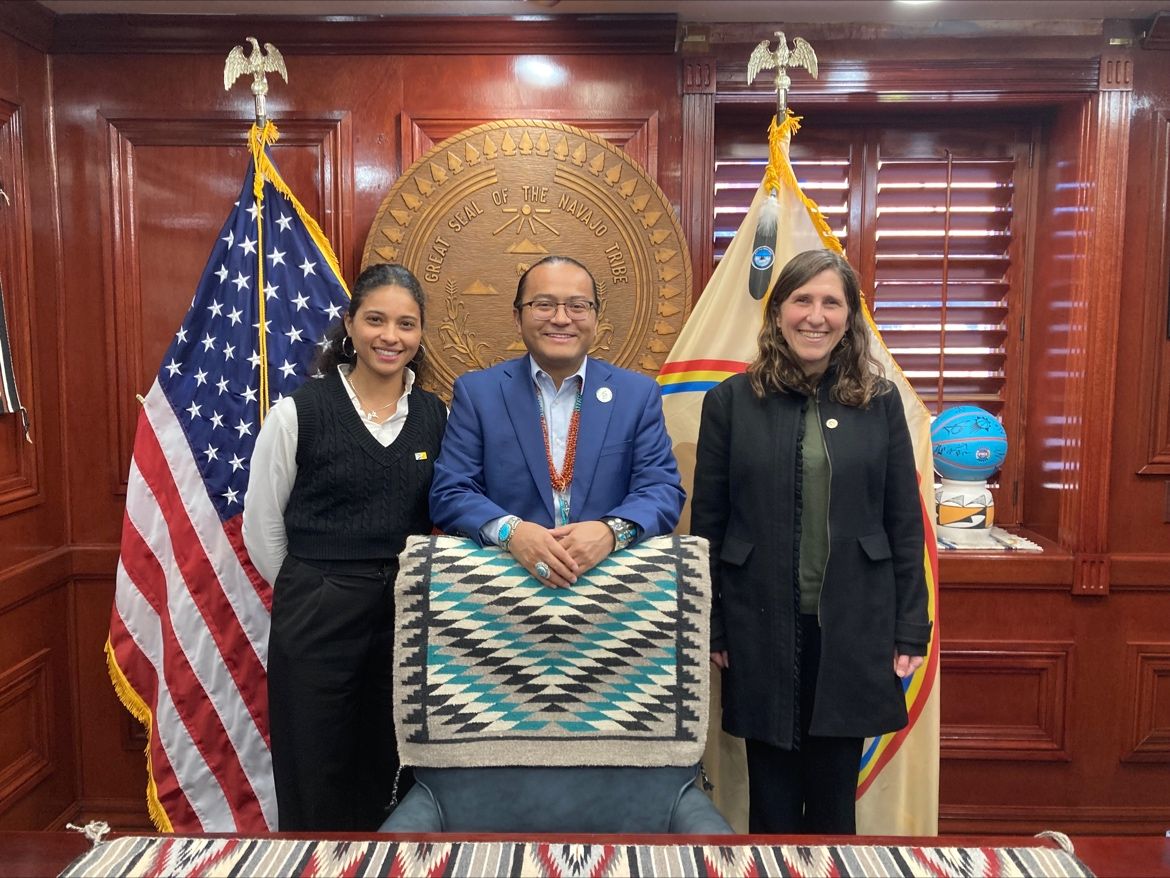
(493, 462)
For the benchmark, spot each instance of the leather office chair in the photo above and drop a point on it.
(472, 638)
(594, 799)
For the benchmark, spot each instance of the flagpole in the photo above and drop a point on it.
(763, 262)
(258, 65)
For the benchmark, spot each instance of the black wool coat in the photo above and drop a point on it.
(746, 503)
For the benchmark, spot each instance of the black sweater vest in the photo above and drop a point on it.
(354, 499)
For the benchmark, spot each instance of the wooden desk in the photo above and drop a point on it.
(35, 854)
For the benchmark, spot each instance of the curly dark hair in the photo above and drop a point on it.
(776, 369)
(382, 274)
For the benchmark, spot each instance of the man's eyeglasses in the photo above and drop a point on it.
(544, 309)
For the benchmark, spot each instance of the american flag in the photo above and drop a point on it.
(188, 639)
(9, 398)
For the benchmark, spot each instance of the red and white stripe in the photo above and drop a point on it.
(190, 634)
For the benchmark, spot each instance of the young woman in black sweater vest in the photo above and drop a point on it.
(341, 473)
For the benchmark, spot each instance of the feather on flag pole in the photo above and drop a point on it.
(898, 777)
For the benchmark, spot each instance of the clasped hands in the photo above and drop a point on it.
(569, 550)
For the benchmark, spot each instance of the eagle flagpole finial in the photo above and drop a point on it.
(763, 58)
(258, 64)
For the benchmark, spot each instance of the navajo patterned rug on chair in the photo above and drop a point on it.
(493, 668)
(183, 857)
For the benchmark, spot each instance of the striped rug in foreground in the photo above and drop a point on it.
(174, 856)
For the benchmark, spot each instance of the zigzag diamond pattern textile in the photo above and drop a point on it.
(494, 668)
(183, 857)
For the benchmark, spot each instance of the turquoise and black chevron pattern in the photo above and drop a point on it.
(492, 668)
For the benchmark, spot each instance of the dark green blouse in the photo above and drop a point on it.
(814, 510)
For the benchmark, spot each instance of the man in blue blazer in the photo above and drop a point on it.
(556, 456)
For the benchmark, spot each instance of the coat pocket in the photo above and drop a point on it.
(876, 546)
(735, 551)
(616, 448)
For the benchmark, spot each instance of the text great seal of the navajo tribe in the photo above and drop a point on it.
(475, 211)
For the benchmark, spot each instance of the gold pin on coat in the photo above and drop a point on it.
(831, 423)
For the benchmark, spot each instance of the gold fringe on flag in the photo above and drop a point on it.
(133, 702)
(780, 171)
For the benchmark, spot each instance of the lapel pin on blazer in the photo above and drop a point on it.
(604, 394)
(831, 423)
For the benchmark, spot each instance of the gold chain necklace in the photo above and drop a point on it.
(367, 413)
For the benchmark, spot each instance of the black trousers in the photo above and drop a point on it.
(811, 790)
(330, 694)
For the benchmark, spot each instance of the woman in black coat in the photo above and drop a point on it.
(806, 488)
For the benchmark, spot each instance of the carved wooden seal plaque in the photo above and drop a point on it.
(475, 211)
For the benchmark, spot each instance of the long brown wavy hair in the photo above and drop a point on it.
(776, 369)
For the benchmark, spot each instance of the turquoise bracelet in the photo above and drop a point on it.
(624, 532)
(507, 531)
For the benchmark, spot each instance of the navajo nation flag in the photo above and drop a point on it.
(188, 641)
(897, 791)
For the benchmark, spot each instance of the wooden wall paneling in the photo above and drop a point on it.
(1148, 688)
(1094, 789)
(1004, 75)
(1152, 427)
(1094, 317)
(29, 22)
(1073, 819)
(1023, 572)
(1140, 571)
(39, 779)
(1029, 158)
(638, 136)
(1009, 710)
(1140, 467)
(26, 736)
(21, 463)
(38, 760)
(368, 35)
(113, 764)
(171, 184)
(698, 160)
(1027, 720)
(32, 519)
(1059, 231)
